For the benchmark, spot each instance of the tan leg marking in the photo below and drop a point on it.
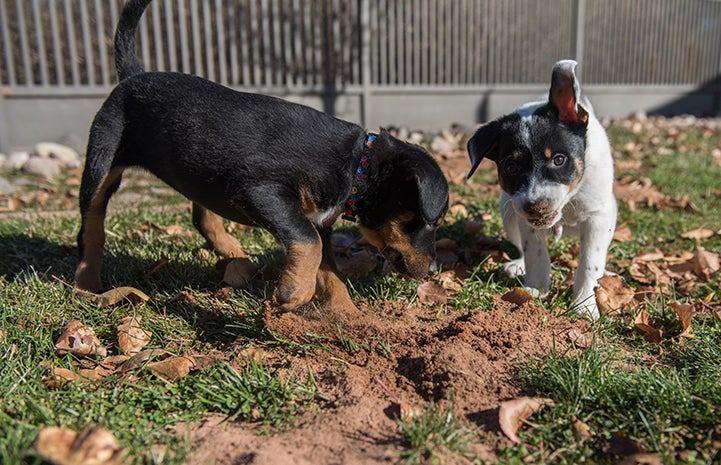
(333, 295)
(297, 284)
(87, 274)
(210, 226)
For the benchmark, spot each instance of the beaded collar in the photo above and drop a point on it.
(359, 180)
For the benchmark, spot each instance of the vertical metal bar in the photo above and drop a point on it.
(195, 33)
(245, 44)
(392, 43)
(74, 72)
(317, 22)
(102, 51)
(222, 38)
(87, 49)
(254, 43)
(24, 48)
(55, 37)
(297, 42)
(11, 78)
(42, 55)
(288, 39)
(114, 21)
(365, 27)
(208, 39)
(234, 28)
(276, 24)
(183, 32)
(383, 40)
(423, 42)
(408, 38)
(338, 43)
(433, 41)
(158, 37)
(578, 32)
(170, 33)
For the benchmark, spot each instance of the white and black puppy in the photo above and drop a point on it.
(556, 170)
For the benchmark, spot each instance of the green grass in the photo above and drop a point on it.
(665, 397)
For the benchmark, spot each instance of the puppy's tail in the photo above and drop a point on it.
(126, 58)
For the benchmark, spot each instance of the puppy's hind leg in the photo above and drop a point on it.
(514, 268)
(210, 225)
(100, 181)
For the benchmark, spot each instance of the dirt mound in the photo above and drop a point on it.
(415, 353)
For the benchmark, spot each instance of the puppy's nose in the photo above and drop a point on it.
(433, 267)
(537, 208)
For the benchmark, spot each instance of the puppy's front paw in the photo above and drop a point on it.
(585, 305)
(289, 296)
(514, 268)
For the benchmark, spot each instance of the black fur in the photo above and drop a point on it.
(255, 159)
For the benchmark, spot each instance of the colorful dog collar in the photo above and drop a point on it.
(359, 181)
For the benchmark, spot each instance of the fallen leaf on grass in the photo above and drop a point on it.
(141, 359)
(652, 331)
(623, 233)
(517, 296)
(613, 294)
(580, 429)
(80, 340)
(62, 377)
(698, 233)
(119, 294)
(432, 293)
(705, 263)
(512, 413)
(172, 368)
(131, 337)
(239, 272)
(642, 459)
(578, 338)
(685, 313)
(93, 446)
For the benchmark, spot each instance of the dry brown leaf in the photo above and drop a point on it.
(109, 365)
(131, 337)
(118, 295)
(239, 272)
(698, 233)
(705, 263)
(458, 210)
(623, 233)
(449, 281)
(580, 429)
(80, 340)
(641, 458)
(432, 293)
(578, 338)
(612, 294)
(141, 359)
(685, 313)
(517, 296)
(172, 368)
(62, 377)
(93, 446)
(652, 331)
(512, 413)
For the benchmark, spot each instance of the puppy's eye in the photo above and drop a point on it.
(559, 159)
(511, 168)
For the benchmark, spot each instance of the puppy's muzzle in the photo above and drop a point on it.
(540, 215)
(414, 267)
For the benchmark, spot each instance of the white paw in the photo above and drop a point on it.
(586, 306)
(514, 268)
(535, 293)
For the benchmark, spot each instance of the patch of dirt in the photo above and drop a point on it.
(470, 358)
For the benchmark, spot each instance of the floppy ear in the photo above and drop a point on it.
(484, 144)
(432, 195)
(566, 92)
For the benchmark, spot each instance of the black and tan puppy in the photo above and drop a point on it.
(259, 161)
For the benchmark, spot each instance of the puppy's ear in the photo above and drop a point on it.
(484, 144)
(432, 195)
(566, 92)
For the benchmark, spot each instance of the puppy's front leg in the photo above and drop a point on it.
(330, 289)
(596, 235)
(537, 261)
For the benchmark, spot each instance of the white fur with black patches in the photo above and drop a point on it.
(556, 170)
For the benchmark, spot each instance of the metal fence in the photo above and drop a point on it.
(392, 59)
